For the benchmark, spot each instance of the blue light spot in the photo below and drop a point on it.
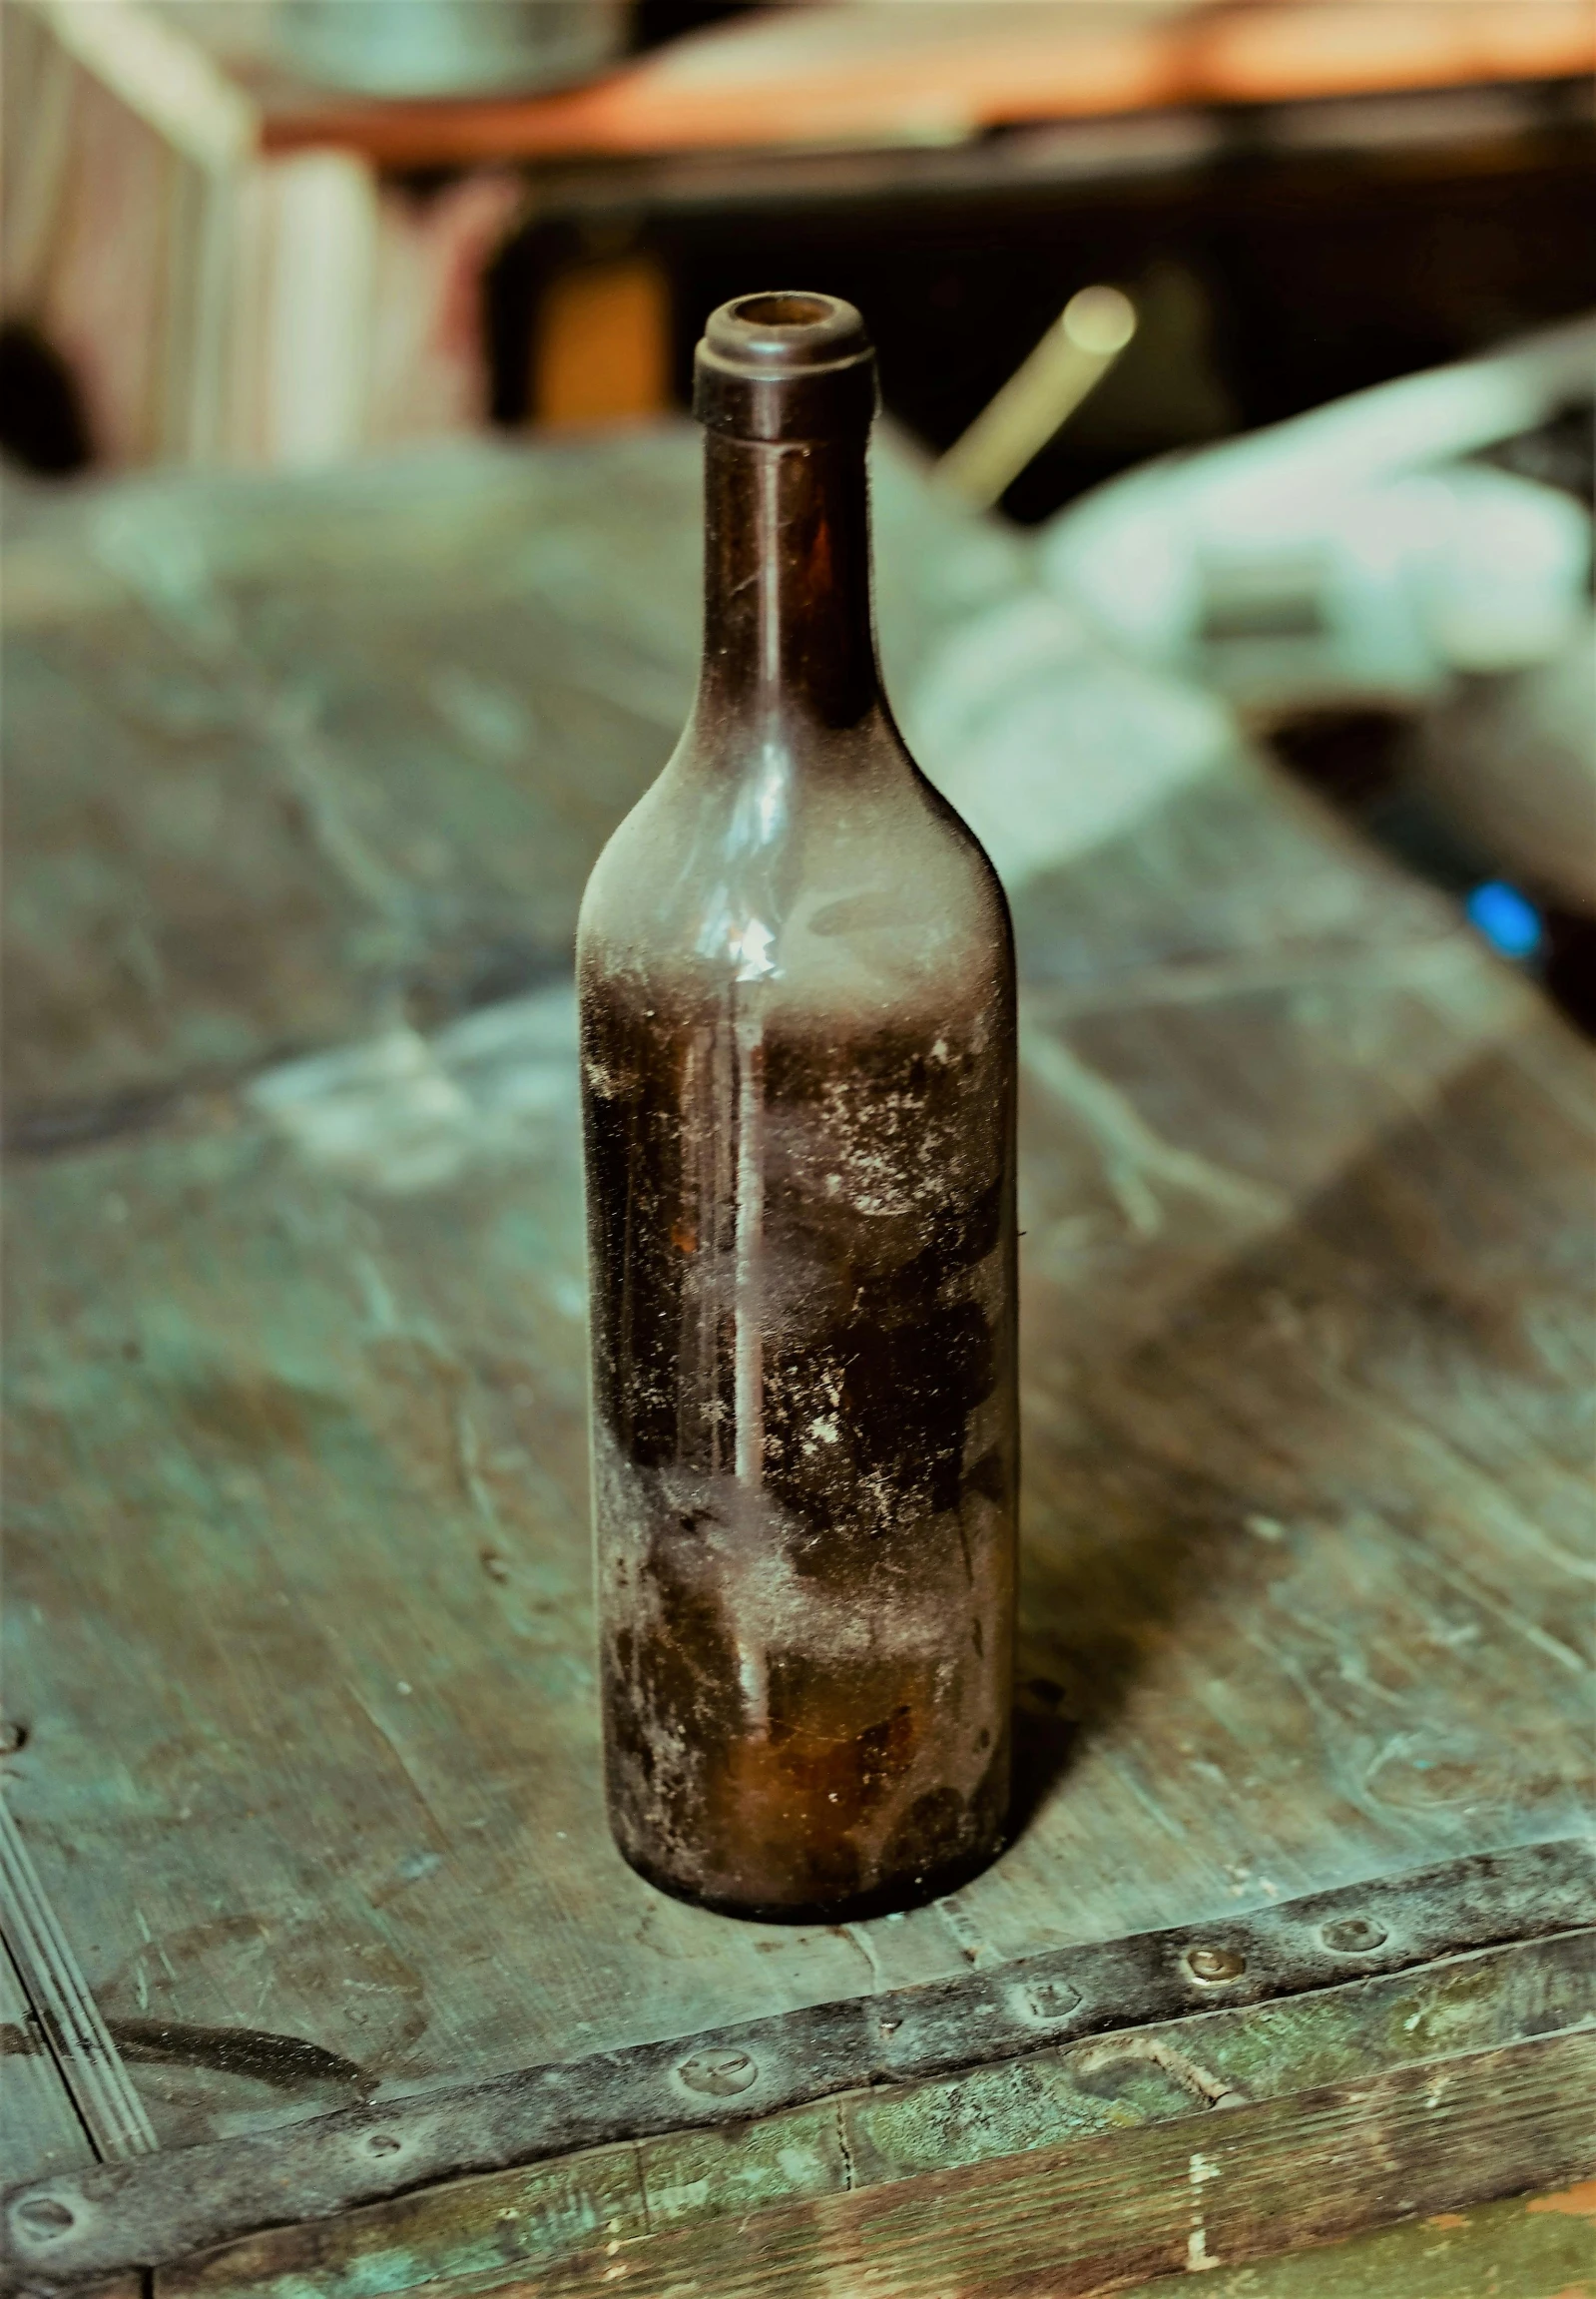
(1509, 921)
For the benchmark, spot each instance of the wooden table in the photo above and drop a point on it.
(325, 1977)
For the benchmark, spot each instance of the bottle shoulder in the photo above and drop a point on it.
(838, 875)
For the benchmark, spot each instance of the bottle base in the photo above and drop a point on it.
(895, 1898)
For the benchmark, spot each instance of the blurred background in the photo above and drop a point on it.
(1116, 254)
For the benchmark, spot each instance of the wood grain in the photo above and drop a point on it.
(1073, 2219)
(1533, 2246)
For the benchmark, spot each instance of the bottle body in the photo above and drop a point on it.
(797, 986)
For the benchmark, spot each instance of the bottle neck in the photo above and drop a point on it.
(788, 632)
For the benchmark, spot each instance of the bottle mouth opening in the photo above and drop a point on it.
(782, 311)
(784, 364)
(784, 331)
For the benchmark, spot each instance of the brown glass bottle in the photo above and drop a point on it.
(797, 984)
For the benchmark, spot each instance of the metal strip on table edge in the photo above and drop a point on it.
(166, 2207)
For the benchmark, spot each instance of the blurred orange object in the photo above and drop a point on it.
(869, 71)
(888, 72)
(1270, 51)
(603, 342)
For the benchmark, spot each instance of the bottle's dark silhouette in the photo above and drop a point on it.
(797, 1043)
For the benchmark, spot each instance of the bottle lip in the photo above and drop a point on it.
(785, 364)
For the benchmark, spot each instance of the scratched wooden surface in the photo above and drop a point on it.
(288, 762)
(39, 2133)
(304, 781)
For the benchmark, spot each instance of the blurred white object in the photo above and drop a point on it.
(1046, 741)
(1070, 362)
(402, 1113)
(447, 46)
(217, 301)
(1345, 556)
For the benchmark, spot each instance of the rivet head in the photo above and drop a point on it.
(1212, 1964)
(722, 2072)
(1353, 1936)
(382, 2143)
(45, 2217)
(1051, 1998)
(12, 1737)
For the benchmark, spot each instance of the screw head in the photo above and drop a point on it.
(721, 2071)
(1353, 1936)
(45, 2217)
(1212, 1964)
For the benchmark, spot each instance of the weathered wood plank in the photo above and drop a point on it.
(349, 1428)
(1525, 2247)
(897, 2132)
(1069, 2220)
(336, 1627)
(286, 1438)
